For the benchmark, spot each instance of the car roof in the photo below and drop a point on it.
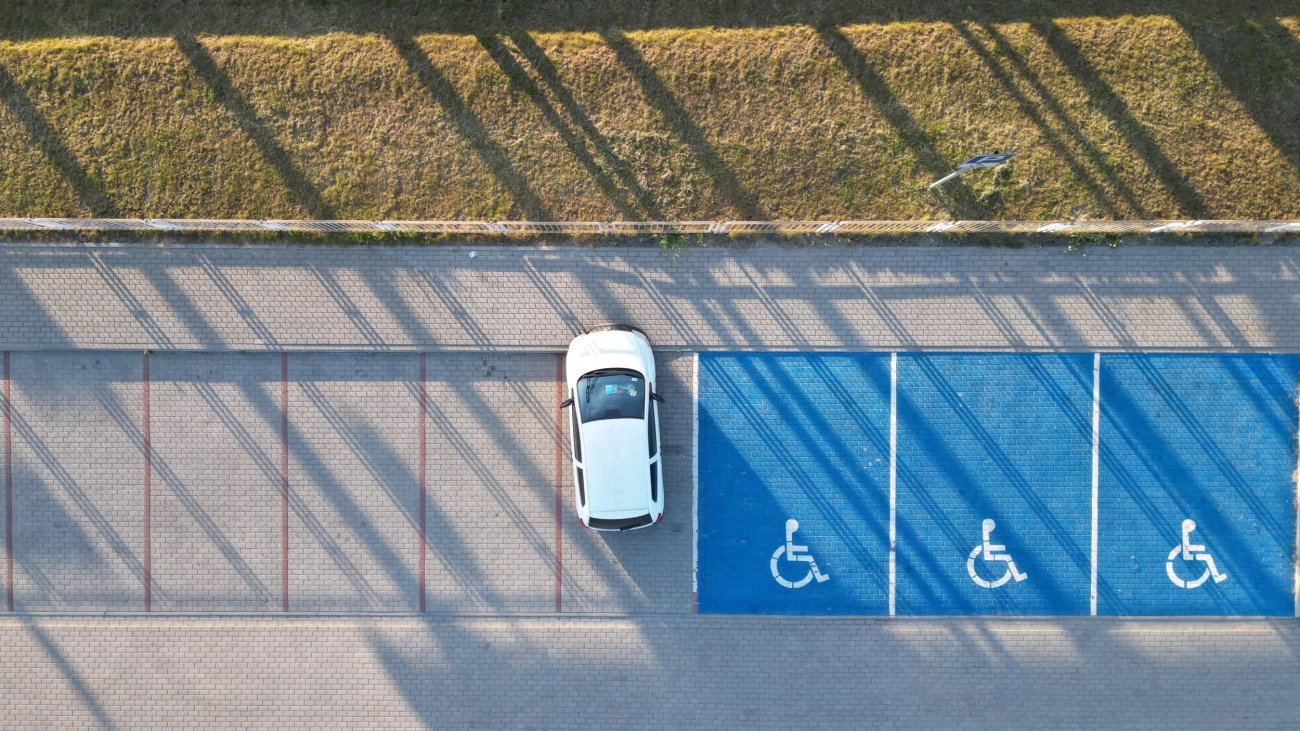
(616, 461)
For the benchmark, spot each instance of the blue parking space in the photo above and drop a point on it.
(802, 438)
(1193, 479)
(1197, 494)
(994, 484)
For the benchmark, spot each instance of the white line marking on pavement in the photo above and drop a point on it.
(893, 472)
(695, 484)
(1096, 442)
(1294, 561)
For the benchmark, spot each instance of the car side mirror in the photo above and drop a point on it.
(566, 403)
(657, 397)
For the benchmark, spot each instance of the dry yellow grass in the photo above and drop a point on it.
(1116, 117)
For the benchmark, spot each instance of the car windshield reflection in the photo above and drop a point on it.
(611, 394)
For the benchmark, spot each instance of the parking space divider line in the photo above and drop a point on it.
(695, 484)
(284, 482)
(559, 479)
(1096, 475)
(424, 398)
(893, 478)
(9, 492)
(148, 486)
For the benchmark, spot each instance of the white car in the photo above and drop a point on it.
(614, 429)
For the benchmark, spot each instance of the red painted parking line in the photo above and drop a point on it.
(284, 482)
(423, 401)
(559, 478)
(148, 492)
(9, 494)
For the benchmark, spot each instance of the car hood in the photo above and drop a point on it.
(617, 466)
(609, 349)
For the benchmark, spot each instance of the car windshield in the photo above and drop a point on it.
(611, 395)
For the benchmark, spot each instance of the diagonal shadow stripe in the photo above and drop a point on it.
(728, 185)
(550, 76)
(1255, 60)
(955, 196)
(245, 117)
(1047, 101)
(519, 79)
(47, 138)
(63, 663)
(470, 127)
(1108, 102)
(117, 411)
(79, 495)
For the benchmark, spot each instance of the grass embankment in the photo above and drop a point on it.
(1144, 116)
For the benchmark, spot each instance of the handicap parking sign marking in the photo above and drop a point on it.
(791, 553)
(1191, 552)
(1003, 438)
(991, 553)
(793, 437)
(1195, 484)
(1197, 462)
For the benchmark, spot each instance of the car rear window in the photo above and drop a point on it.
(611, 395)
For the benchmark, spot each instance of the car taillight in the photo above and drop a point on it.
(659, 516)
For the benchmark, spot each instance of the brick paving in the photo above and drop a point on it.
(222, 538)
(289, 297)
(216, 490)
(491, 519)
(491, 652)
(78, 468)
(647, 672)
(354, 491)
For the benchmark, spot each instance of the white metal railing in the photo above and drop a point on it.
(775, 227)
(663, 227)
(632, 228)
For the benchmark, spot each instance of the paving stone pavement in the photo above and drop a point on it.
(376, 298)
(354, 492)
(231, 417)
(227, 429)
(78, 523)
(216, 493)
(648, 672)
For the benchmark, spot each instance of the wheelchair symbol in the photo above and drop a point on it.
(993, 553)
(1192, 552)
(795, 554)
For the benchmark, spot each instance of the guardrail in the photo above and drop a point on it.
(632, 228)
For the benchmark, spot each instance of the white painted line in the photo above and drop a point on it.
(1096, 449)
(1294, 561)
(893, 475)
(695, 484)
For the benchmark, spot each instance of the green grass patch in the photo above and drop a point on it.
(646, 111)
